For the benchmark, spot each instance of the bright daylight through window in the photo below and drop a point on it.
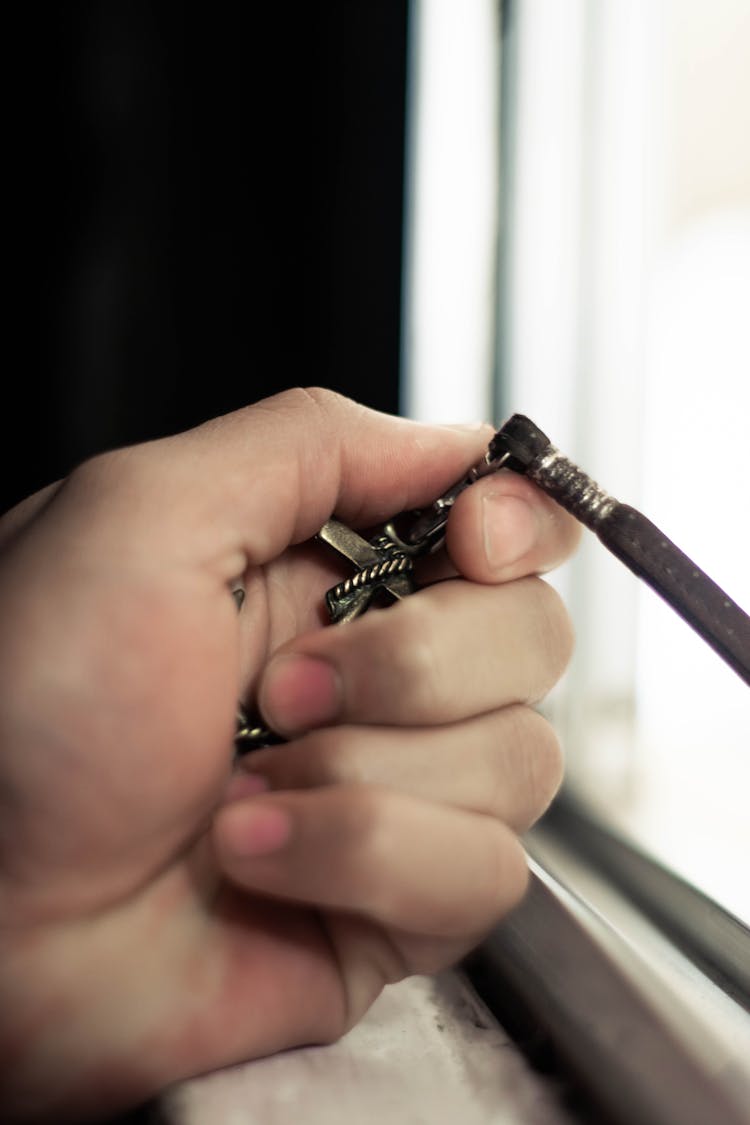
(621, 191)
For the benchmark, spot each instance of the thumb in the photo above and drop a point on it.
(236, 491)
(280, 468)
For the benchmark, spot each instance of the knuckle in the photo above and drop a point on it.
(303, 397)
(553, 636)
(316, 406)
(539, 765)
(101, 467)
(367, 806)
(327, 757)
(509, 873)
(411, 652)
(323, 397)
(372, 826)
(327, 404)
(116, 473)
(523, 764)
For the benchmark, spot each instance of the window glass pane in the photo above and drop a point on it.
(451, 210)
(625, 333)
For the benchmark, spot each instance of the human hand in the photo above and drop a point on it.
(162, 914)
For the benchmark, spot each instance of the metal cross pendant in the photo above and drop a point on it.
(383, 564)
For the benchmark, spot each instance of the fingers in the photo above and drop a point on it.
(453, 651)
(399, 861)
(505, 764)
(504, 527)
(22, 514)
(267, 476)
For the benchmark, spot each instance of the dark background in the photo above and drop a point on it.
(206, 207)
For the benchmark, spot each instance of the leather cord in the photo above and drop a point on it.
(633, 539)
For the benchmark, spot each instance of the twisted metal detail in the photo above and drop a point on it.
(372, 575)
(571, 487)
(352, 596)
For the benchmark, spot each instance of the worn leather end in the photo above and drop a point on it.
(521, 439)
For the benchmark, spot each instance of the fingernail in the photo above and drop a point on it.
(299, 693)
(510, 529)
(255, 830)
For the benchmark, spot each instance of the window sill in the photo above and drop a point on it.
(582, 976)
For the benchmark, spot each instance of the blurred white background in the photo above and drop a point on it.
(615, 208)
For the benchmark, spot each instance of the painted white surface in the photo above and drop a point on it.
(427, 1053)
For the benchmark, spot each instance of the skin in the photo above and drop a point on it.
(163, 913)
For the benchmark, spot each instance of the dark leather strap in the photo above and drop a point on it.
(705, 606)
(629, 535)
